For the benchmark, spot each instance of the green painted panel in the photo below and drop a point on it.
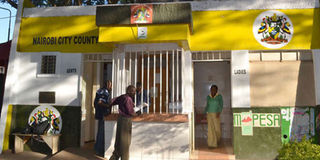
(264, 143)
(265, 140)
(71, 123)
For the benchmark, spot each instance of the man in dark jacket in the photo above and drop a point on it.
(102, 108)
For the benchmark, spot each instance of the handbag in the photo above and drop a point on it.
(41, 128)
(27, 130)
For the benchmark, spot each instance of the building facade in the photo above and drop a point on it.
(263, 55)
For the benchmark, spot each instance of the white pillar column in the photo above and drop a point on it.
(13, 65)
(240, 79)
(316, 68)
(187, 82)
(187, 92)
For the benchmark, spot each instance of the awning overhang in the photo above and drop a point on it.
(171, 22)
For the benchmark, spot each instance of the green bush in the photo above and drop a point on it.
(303, 150)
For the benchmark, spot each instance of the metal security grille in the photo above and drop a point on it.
(48, 65)
(97, 57)
(281, 56)
(203, 56)
(159, 73)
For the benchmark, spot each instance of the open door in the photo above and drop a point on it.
(95, 72)
(206, 74)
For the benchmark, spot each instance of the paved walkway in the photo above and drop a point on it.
(224, 152)
(67, 154)
(75, 153)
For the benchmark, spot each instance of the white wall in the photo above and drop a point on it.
(316, 64)
(187, 82)
(30, 82)
(152, 141)
(240, 79)
(286, 83)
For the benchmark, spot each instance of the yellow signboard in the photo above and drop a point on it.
(233, 30)
(212, 30)
(77, 34)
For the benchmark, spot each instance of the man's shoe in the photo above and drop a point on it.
(99, 154)
(113, 157)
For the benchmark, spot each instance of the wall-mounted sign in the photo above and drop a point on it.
(142, 32)
(246, 124)
(258, 119)
(273, 29)
(240, 71)
(71, 70)
(65, 40)
(46, 112)
(141, 14)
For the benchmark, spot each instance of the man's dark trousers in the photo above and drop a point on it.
(123, 139)
(99, 145)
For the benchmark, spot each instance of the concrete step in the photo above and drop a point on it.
(223, 152)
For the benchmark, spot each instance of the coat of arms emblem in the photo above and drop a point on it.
(45, 112)
(141, 14)
(273, 29)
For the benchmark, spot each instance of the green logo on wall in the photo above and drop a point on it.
(259, 120)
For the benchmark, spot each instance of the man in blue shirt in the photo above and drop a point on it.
(102, 108)
(138, 97)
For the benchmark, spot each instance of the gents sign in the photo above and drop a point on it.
(259, 119)
(65, 40)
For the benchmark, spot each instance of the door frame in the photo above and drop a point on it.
(201, 59)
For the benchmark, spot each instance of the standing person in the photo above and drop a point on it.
(144, 98)
(124, 124)
(213, 110)
(102, 108)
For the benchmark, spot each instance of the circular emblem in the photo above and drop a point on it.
(46, 112)
(273, 29)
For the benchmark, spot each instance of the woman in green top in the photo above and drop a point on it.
(213, 110)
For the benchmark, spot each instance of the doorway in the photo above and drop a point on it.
(97, 68)
(207, 72)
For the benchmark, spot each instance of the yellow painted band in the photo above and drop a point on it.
(75, 34)
(233, 30)
(212, 30)
(7, 129)
(155, 33)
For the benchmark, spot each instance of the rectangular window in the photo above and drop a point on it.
(157, 72)
(48, 64)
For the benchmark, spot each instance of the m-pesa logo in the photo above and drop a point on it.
(257, 119)
(273, 29)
